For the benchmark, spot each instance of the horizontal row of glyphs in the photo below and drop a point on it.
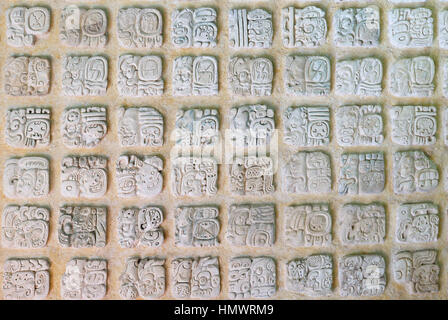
(301, 27)
(254, 225)
(249, 277)
(304, 75)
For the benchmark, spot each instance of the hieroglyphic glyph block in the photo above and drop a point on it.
(84, 279)
(195, 76)
(83, 28)
(28, 127)
(84, 75)
(83, 127)
(305, 27)
(312, 275)
(140, 28)
(26, 177)
(362, 275)
(140, 227)
(361, 173)
(140, 76)
(252, 277)
(26, 76)
(25, 25)
(307, 75)
(140, 126)
(84, 176)
(413, 125)
(411, 28)
(25, 226)
(196, 277)
(418, 270)
(362, 77)
(357, 27)
(250, 76)
(197, 127)
(307, 172)
(362, 223)
(414, 171)
(26, 279)
(143, 277)
(359, 125)
(443, 29)
(194, 28)
(250, 29)
(251, 225)
(197, 226)
(417, 222)
(308, 225)
(306, 126)
(82, 226)
(139, 176)
(412, 77)
(444, 67)
(252, 175)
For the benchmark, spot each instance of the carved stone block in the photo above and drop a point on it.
(139, 176)
(411, 28)
(194, 176)
(252, 175)
(357, 27)
(84, 279)
(362, 223)
(140, 227)
(84, 127)
(305, 27)
(443, 29)
(25, 226)
(197, 127)
(194, 28)
(412, 77)
(27, 76)
(197, 226)
(414, 171)
(359, 126)
(140, 28)
(140, 126)
(312, 275)
(361, 173)
(362, 275)
(140, 76)
(26, 177)
(143, 277)
(28, 127)
(82, 226)
(444, 67)
(362, 77)
(84, 75)
(83, 28)
(196, 277)
(250, 29)
(251, 225)
(26, 25)
(250, 76)
(84, 176)
(195, 76)
(417, 222)
(413, 125)
(26, 279)
(252, 277)
(308, 225)
(306, 126)
(307, 75)
(307, 172)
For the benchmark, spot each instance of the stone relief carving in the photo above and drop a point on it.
(84, 176)
(413, 77)
(411, 28)
(26, 177)
(28, 127)
(414, 125)
(197, 127)
(443, 29)
(139, 176)
(305, 27)
(250, 76)
(444, 66)
(140, 126)
(357, 27)
(308, 225)
(307, 75)
(25, 226)
(362, 77)
(194, 28)
(195, 76)
(84, 279)
(196, 277)
(197, 226)
(250, 28)
(26, 25)
(143, 277)
(26, 76)
(417, 222)
(252, 175)
(140, 28)
(140, 76)
(251, 225)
